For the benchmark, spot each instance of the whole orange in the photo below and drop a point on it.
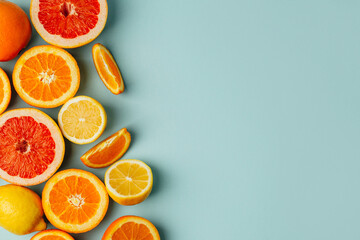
(15, 30)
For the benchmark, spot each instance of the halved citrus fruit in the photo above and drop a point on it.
(69, 23)
(107, 69)
(129, 181)
(131, 228)
(46, 76)
(108, 151)
(82, 119)
(31, 146)
(52, 234)
(75, 200)
(5, 91)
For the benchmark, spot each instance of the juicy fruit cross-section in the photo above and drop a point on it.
(46, 76)
(31, 146)
(69, 23)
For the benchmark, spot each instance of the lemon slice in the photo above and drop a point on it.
(82, 120)
(129, 181)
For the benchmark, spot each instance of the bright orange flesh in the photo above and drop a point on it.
(5, 91)
(131, 228)
(46, 76)
(52, 234)
(107, 69)
(75, 200)
(108, 151)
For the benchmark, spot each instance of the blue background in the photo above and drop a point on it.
(247, 112)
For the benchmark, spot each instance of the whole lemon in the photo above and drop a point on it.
(20, 210)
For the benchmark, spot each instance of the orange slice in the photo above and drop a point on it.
(82, 119)
(129, 181)
(75, 200)
(31, 146)
(52, 234)
(107, 69)
(46, 76)
(131, 228)
(5, 91)
(108, 151)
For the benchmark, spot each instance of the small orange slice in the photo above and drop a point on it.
(108, 151)
(131, 228)
(75, 200)
(46, 76)
(52, 234)
(107, 69)
(5, 91)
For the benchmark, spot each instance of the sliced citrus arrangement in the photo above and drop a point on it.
(21, 211)
(69, 23)
(129, 181)
(46, 76)
(31, 146)
(52, 234)
(75, 200)
(107, 69)
(108, 151)
(131, 228)
(82, 119)
(5, 91)
(15, 30)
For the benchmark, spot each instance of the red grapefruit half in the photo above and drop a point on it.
(69, 23)
(31, 146)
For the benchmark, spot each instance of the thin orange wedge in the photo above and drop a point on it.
(131, 228)
(46, 76)
(5, 91)
(107, 69)
(75, 200)
(108, 151)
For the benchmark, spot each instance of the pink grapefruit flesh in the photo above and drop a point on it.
(69, 23)
(31, 146)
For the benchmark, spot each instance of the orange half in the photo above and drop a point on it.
(46, 76)
(107, 69)
(52, 234)
(108, 151)
(131, 228)
(5, 91)
(75, 200)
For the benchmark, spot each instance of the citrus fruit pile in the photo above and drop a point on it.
(32, 144)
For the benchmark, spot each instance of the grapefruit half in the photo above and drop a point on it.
(31, 146)
(69, 23)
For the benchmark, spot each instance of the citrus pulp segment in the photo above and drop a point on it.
(82, 119)
(46, 76)
(129, 181)
(107, 69)
(69, 23)
(107, 151)
(52, 234)
(131, 227)
(31, 146)
(75, 200)
(5, 91)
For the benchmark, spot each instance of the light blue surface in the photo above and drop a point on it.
(247, 111)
